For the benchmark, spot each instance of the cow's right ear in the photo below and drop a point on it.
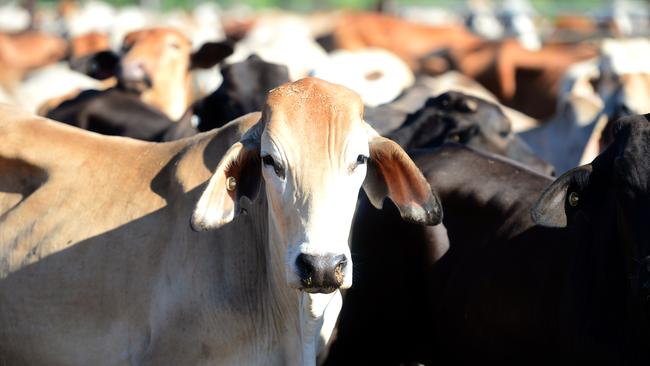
(392, 174)
(238, 175)
(210, 54)
(550, 208)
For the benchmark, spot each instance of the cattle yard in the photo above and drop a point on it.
(340, 182)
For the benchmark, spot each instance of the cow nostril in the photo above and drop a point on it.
(339, 268)
(305, 264)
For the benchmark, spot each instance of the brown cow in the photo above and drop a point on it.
(155, 63)
(525, 80)
(26, 51)
(409, 41)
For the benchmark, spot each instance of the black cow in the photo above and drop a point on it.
(243, 90)
(471, 121)
(528, 279)
(113, 112)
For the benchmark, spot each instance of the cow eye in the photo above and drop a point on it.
(277, 167)
(361, 160)
(175, 45)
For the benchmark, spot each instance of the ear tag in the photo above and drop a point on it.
(231, 183)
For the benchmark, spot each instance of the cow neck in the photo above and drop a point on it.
(174, 100)
(317, 313)
(276, 309)
(479, 190)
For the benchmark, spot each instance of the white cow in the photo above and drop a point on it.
(99, 266)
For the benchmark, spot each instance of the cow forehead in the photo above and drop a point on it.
(156, 35)
(316, 113)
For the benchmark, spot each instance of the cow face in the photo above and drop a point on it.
(156, 62)
(456, 117)
(608, 200)
(313, 151)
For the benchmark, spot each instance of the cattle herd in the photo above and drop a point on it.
(393, 186)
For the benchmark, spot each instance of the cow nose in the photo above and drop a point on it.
(321, 273)
(133, 71)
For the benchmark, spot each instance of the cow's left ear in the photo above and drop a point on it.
(237, 176)
(392, 173)
(210, 54)
(550, 208)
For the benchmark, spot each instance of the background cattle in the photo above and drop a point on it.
(540, 85)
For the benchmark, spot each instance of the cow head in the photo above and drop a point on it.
(313, 151)
(155, 61)
(609, 199)
(472, 121)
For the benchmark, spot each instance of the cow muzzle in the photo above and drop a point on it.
(321, 273)
(132, 76)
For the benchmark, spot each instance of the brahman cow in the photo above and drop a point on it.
(99, 266)
(154, 67)
(520, 277)
(156, 62)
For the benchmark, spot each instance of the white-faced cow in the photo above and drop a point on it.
(99, 265)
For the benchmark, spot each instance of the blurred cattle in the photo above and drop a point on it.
(137, 284)
(409, 41)
(527, 81)
(285, 40)
(113, 112)
(27, 51)
(155, 63)
(376, 75)
(243, 90)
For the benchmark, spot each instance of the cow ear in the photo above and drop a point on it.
(237, 176)
(210, 54)
(391, 173)
(550, 208)
(101, 65)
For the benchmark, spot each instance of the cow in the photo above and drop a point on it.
(527, 270)
(471, 121)
(525, 80)
(361, 30)
(376, 75)
(113, 112)
(243, 90)
(155, 63)
(119, 112)
(225, 248)
(27, 51)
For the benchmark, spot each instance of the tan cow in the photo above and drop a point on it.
(156, 63)
(99, 266)
(27, 51)
(410, 41)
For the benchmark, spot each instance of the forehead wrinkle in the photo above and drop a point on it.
(315, 119)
